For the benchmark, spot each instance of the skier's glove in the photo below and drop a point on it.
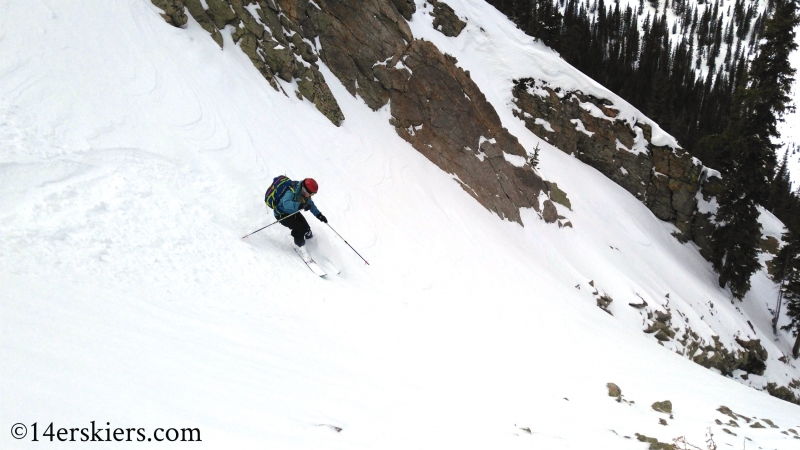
(322, 218)
(305, 207)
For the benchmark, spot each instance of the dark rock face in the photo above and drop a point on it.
(406, 8)
(443, 114)
(369, 46)
(173, 12)
(664, 179)
(359, 40)
(201, 16)
(751, 358)
(446, 20)
(754, 357)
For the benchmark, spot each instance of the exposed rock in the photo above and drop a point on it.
(751, 357)
(558, 196)
(174, 12)
(717, 357)
(727, 411)
(782, 392)
(249, 22)
(443, 114)
(757, 425)
(661, 326)
(770, 423)
(406, 8)
(359, 39)
(654, 443)
(445, 19)
(711, 186)
(639, 305)
(754, 358)
(662, 422)
(549, 211)
(663, 407)
(273, 42)
(221, 13)
(199, 13)
(614, 391)
(603, 302)
(665, 179)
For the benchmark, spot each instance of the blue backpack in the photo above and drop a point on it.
(276, 190)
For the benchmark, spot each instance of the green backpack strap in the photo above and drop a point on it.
(276, 190)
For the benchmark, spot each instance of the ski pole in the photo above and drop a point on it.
(273, 223)
(348, 244)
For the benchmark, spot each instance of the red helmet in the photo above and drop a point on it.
(310, 185)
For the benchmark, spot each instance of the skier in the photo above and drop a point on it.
(295, 197)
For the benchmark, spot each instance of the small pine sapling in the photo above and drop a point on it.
(533, 160)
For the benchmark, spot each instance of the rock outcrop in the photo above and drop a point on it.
(274, 43)
(369, 47)
(663, 178)
(174, 12)
(444, 115)
(446, 20)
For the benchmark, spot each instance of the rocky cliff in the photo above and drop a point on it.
(665, 179)
(369, 47)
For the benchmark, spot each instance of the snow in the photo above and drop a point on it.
(580, 127)
(706, 207)
(135, 156)
(594, 111)
(516, 160)
(770, 225)
(544, 123)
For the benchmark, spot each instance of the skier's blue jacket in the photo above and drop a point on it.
(290, 202)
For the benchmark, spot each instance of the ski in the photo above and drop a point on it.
(310, 261)
(332, 266)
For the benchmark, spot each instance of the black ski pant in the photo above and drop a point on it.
(297, 223)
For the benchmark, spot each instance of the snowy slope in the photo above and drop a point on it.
(134, 156)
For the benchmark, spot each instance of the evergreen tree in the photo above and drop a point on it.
(780, 190)
(746, 153)
(771, 74)
(734, 241)
(789, 275)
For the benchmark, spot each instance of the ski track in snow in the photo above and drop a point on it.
(135, 156)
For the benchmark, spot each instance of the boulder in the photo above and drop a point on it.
(445, 19)
(614, 390)
(663, 406)
(174, 12)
